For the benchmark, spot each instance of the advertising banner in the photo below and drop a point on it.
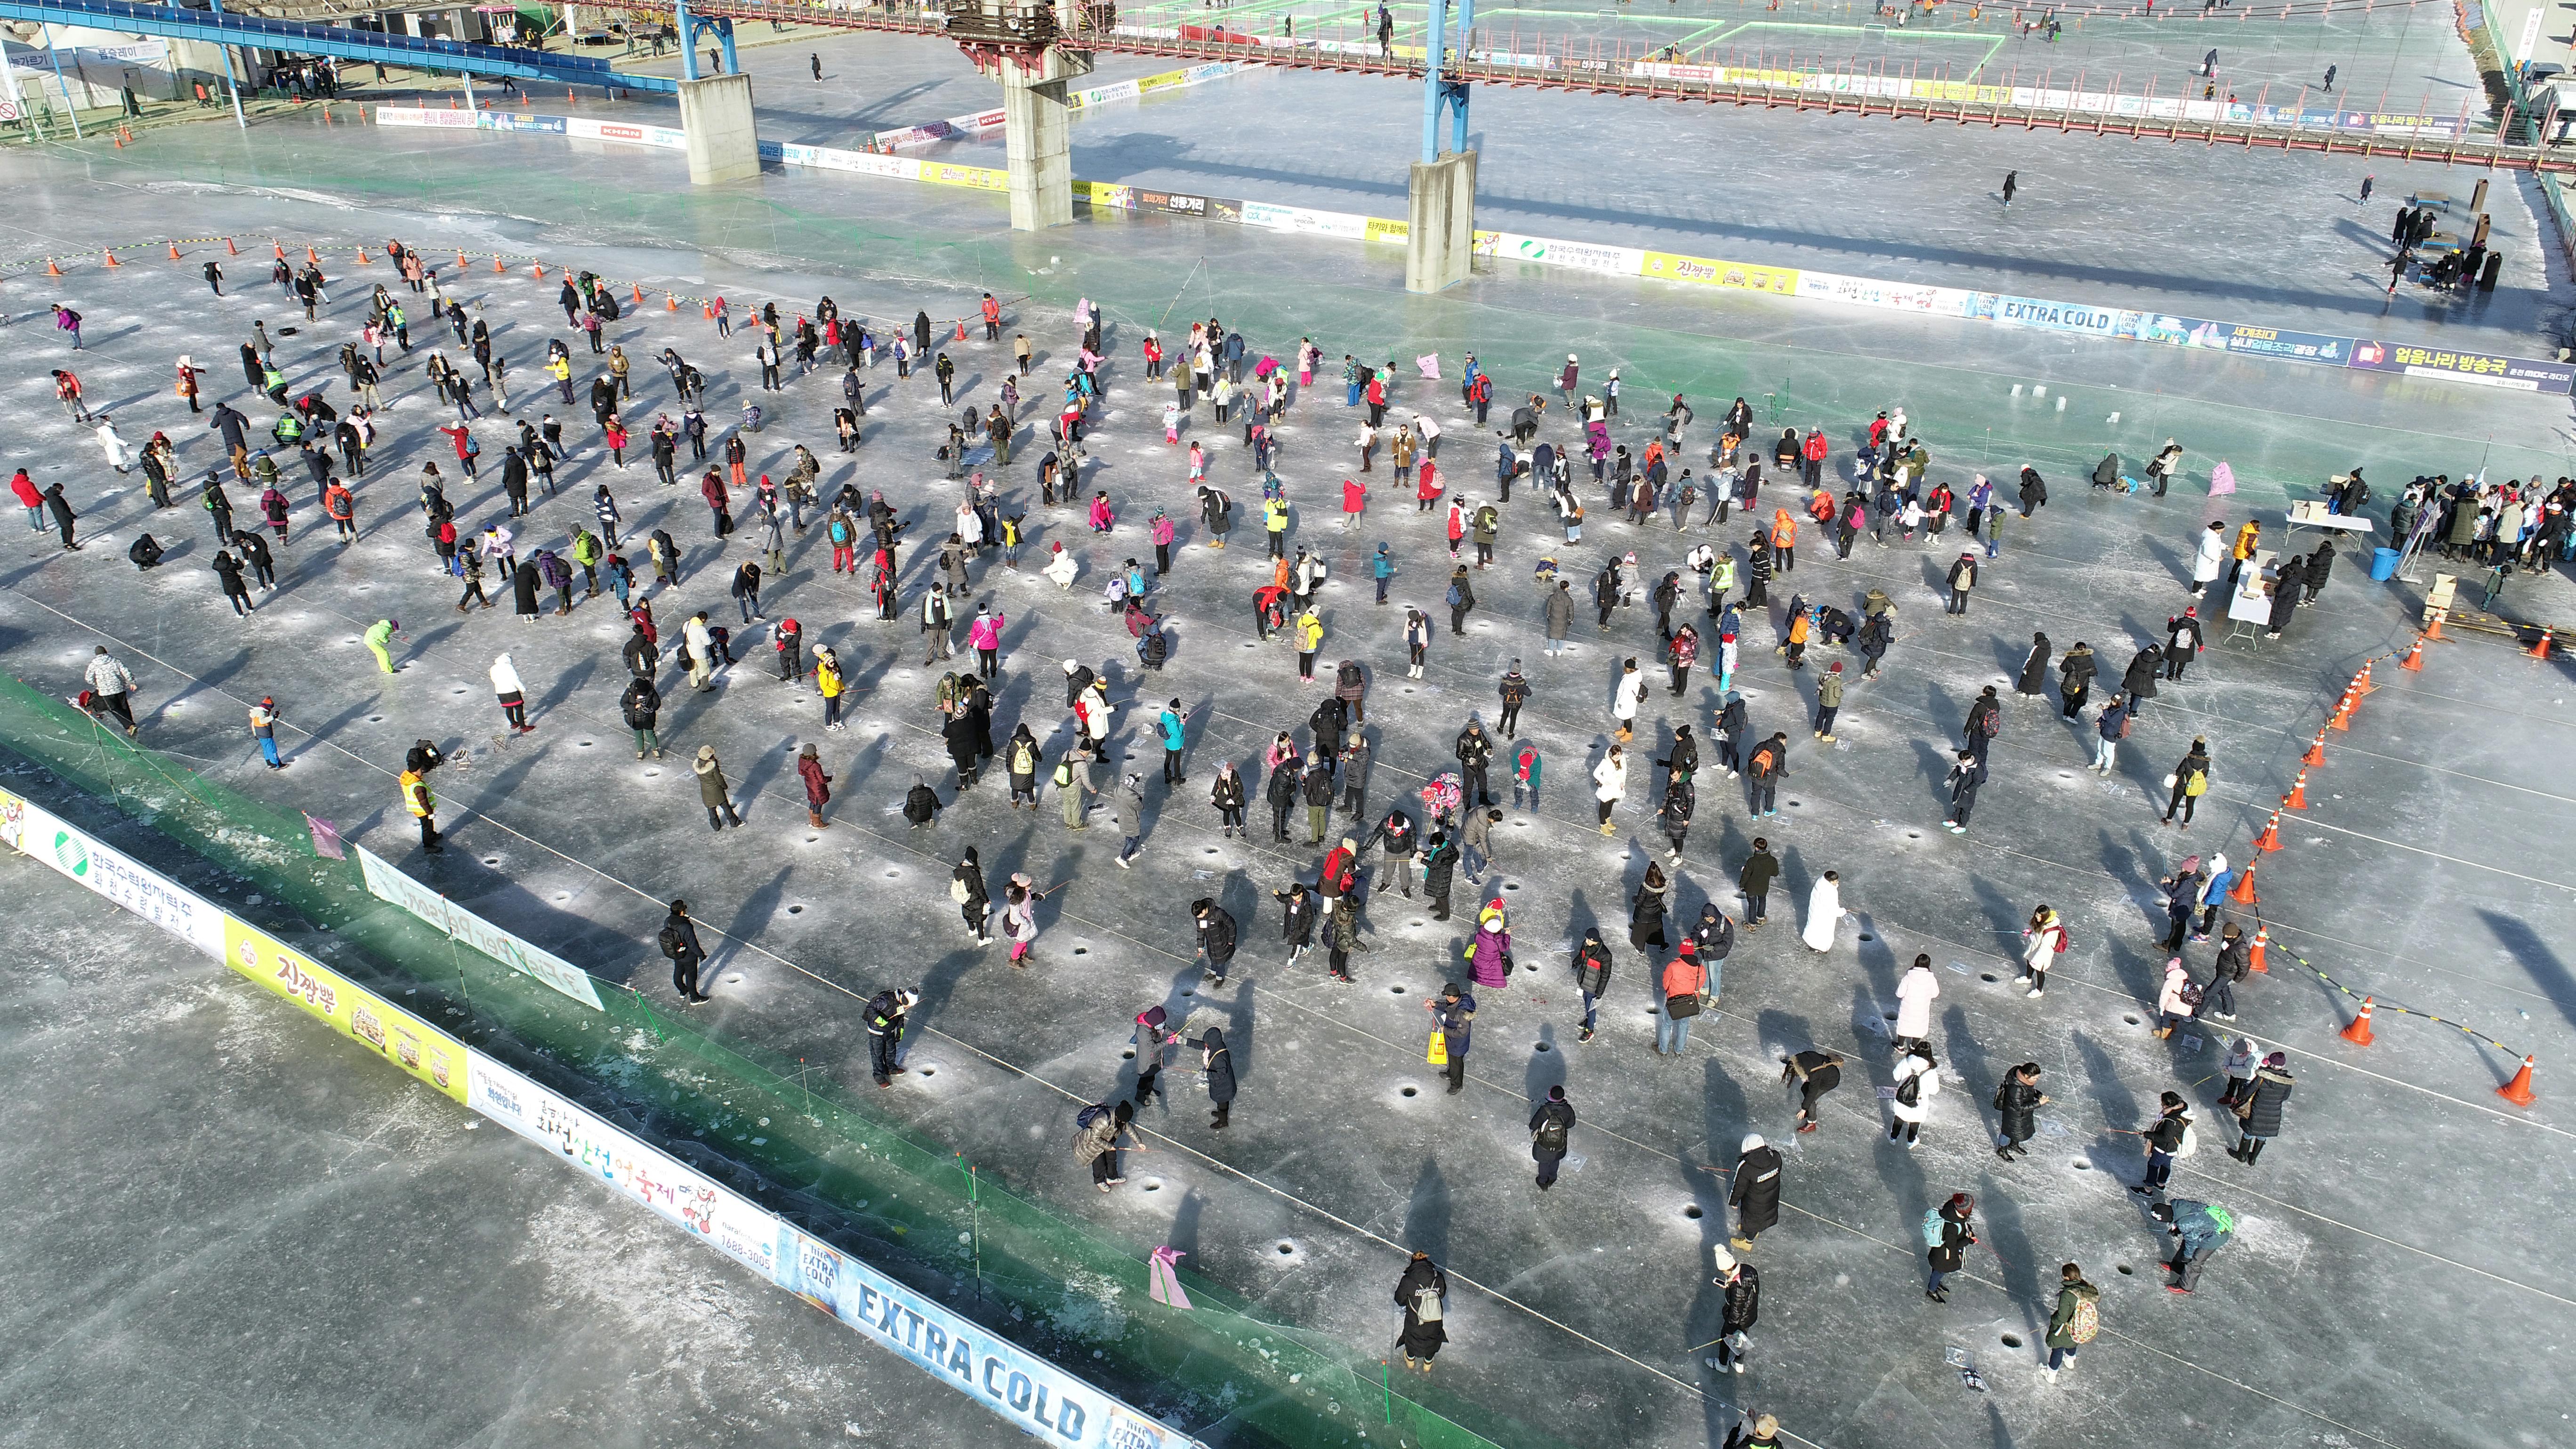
(1034, 1395)
(393, 887)
(1709, 272)
(1884, 296)
(2484, 368)
(679, 1195)
(982, 178)
(1549, 251)
(2054, 316)
(1349, 226)
(1387, 229)
(519, 121)
(353, 1011)
(39, 833)
(585, 128)
(416, 116)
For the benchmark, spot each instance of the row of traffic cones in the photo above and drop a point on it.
(2357, 1031)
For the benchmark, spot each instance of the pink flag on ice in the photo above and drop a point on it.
(1429, 362)
(1164, 1279)
(2222, 479)
(326, 838)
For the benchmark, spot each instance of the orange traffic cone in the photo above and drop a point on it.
(2316, 754)
(120, 141)
(672, 300)
(2297, 799)
(53, 268)
(2361, 684)
(2433, 627)
(496, 264)
(2243, 894)
(2359, 1032)
(2262, 947)
(174, 251)
(2518, 1091)
(639, 296)
(2541, 649)
(312, 258)
(539, 270)
(229, 249)
(111, 258)
(2270, 839)
(363, 259)
(2343, 713)
(961, 329)
(281, 249)
(707, 310)
(2415, 657)
(460, 261)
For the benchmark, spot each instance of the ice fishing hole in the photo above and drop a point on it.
(581, 744)
(1914, 835)
(2129, 1017)
(892, 874)
(1395, 991)
(2126, 1270)
(1211, 850)
(1082, 950)
(1189, 991)
(491, 860)
(1866, 936)
(1797, 804)
(2012, 1340)
(1413, 1091)
(1694, 1212)
(1985, 976)
(795, 910)
(1287, 1248)
(1417, 923)
(1154, 1186)
(1510, 886)
(563, 895)
(1128, 1055)
(1543, 1046)
(810, 839)
(2083, 1166)
(375, 719)
(927, 1071)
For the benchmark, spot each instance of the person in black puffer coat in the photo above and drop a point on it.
(2017, 1104)
(2260, 1109)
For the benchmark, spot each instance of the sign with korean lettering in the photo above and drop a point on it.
(353, 1011)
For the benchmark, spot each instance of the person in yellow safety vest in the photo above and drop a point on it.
(423, 807)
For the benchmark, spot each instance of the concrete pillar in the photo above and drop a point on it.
(1035, 132)
(1440, 234)
(716, 113)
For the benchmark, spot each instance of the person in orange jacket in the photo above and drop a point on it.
(1784, 540)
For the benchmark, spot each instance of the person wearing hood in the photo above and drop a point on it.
(887, 1013)
(1947, 1236)
(1216, 939)
(514, 700)
(1095, 1141)
(974, 899)
(2075, 680)
(2199, 1229)
(1422, 1293)
(2213, 896)
(2043, 941)
(2106, 474)
(1743, 1286)
(712, 791)
(2017, 1103)
(679, 941)
(2033, 683)
(2168, 1139)
(1218, 1064)
(120, 453)
(2258, 1108)
(2189, 781)
(2074, 1322)
(1962, 578)
(818, 786)
(2243, 1058)
(1918, 1081)
(1712, 939)
(2138, 681)
(1916, 990)
(1755, 1195)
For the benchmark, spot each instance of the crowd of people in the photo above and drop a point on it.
(1713, 517)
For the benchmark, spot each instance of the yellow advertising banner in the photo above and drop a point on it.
(355, 1012)
(983, 178)
(1387, 229)
(1709, 272)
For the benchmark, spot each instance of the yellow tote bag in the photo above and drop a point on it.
(1439, 1054)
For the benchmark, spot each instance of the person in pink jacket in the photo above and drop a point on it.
(985, 634)
(1162, 533)
(1101, 517)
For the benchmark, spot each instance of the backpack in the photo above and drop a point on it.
(1064, 773)
(1088, 1115)
(2191, 993)
(1426, 1304)
(1550, 1135)
(1451, 598)
(2087, 1320)
(2197, 785)
(1024, 759)
(1910, 1091)
(2126, 720)
(957, 890)
(1932, 1227)
(1763, 762)
(672, 942)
